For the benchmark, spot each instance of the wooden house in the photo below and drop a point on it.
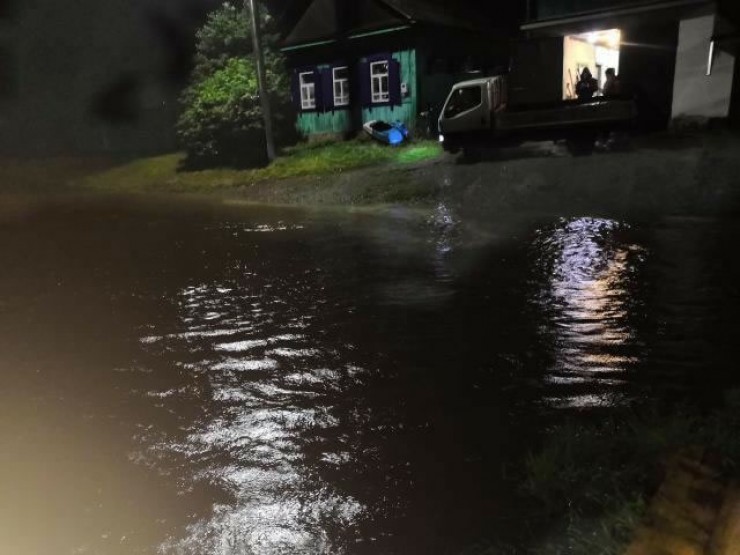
(364, 60)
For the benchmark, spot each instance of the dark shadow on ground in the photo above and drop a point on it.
(543, 149)
(673, 140)
(555, 149)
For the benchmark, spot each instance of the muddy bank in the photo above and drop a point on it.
(696, 178)
(692, 175)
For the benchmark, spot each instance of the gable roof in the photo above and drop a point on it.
(419, 10)
(321, 22)
(318, 22)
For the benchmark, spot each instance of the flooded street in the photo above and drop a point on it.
(191, 378)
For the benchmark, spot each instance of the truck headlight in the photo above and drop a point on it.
(441, 138)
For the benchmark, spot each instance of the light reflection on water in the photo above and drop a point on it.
(587, 299)
(272, 380)
(266, 384)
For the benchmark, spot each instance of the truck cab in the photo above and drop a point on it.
(471, 106)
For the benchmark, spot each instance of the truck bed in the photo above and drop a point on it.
(567, 114)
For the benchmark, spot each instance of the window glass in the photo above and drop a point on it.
(379, 81)
(308, 90)
(341, 86)
(463, 100)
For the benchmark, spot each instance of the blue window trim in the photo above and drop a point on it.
(299, 104)
(382, 57)
(321, 105)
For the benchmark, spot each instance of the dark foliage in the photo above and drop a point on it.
(221, 119)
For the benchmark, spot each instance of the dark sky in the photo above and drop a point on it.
(117, 29)
(90, 74)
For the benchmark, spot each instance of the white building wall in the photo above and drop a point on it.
(696, 94)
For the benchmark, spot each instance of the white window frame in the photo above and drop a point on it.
(378, 95)
(341, 99)
(308, 91)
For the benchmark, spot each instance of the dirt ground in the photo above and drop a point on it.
(698, 175)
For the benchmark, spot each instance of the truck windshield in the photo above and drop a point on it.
(462, 100)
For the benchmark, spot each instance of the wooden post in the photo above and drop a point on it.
(262, 79)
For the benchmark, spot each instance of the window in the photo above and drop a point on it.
(308, 90)
(463, 100)
(379, 82)
(341, 86)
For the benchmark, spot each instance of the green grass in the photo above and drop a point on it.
(598, 478)
(337, 157)
(163, 173)
(589, 484)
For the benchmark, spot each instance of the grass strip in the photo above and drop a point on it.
(591, 482)
(164, 173)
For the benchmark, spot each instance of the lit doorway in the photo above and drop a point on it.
(597, 51)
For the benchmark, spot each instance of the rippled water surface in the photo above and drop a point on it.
(198, 379)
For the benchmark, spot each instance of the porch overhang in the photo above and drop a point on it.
(616, 17)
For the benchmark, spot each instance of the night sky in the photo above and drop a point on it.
(94, 74)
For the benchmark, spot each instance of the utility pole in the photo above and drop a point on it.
(259, 59)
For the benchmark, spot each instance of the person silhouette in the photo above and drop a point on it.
(612, 86)
(586, 86)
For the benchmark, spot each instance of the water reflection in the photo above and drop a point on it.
(446, 231)
(587, 297)
(264, 382)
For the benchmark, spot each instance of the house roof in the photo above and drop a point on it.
(320, 22)
(419, 10)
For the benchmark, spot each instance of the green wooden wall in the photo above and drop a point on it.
(340, 121)
(323, 123)
(334, 122)
(407, 111)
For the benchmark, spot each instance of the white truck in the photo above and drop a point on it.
(478, 113)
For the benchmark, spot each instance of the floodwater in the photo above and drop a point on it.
(191, 378)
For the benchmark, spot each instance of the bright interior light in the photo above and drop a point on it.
(609, 38)
(614, 38)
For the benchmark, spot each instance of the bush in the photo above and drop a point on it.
(220, 123)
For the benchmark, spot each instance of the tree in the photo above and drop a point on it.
(221, 119)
